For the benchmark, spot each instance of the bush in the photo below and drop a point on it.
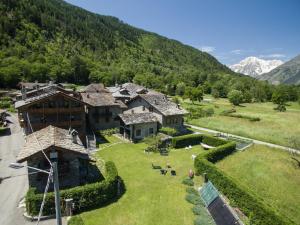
(241, 197)
(169, 131)
(203, 220)
(213, 141)
(199, 210)
(192, 190)
(250, 118)
(188, 181)
(200, 112)
(85, 197)
(108, 132)
(193, 199)
(227, 112)
(185, 140)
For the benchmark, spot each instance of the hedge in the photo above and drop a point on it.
(195, 139)
(185, 140)
(213, 141)
(85, 197)
(251, 205)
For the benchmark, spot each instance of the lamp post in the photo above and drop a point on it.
(53, 157)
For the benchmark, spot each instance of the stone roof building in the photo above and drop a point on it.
(102, 108)
(136, 126)
(73, 160)
(51, 105)
(167, 112)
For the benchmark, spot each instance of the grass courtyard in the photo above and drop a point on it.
(271, 174)
(150, 198)
(275, 127)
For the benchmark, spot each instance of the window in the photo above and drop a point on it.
(138, 132)
(176, 120)
(151, 131)
(107, 119)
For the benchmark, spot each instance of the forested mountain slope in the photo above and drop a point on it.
(51, 39)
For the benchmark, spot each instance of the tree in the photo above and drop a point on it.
(280, 97)
(235, 97)
(196, 94)
(215, 93)
(247, 97)
(180, 88)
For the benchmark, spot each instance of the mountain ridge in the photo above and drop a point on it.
(287, 73)
(254, 66)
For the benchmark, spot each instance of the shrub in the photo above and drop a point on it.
(188, 181)
(213, 141)
(200, 112)
(108, 132)
(203, 220)
(169, 131)
(193, 199)
(227, 112)
(235, 97)
(185, 140)
(85, 197)
(192, 190)
(250, 118)
(199, 210)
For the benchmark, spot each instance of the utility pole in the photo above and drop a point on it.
(53, 157)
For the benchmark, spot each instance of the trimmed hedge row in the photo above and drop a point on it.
(213, 141)
(195, 139)
(85, 197)
(185, 140)
(253, 207)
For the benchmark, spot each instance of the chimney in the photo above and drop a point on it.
(24, 94)
(178, 106)
(132, 111)
(155, 102)
(50, 82)
(74, 134)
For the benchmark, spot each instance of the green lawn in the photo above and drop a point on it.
(150, 198)
(275, 127)
(271, 174)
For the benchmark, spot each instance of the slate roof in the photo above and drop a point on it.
(138, 118)
(101, 99)
(96, 88)
(44, 93)
(132, 90)
(49, 137)
(163, 104)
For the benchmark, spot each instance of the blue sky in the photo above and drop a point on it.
(228, 29)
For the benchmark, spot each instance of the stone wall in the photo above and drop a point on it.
(101, 118)
(71, 170)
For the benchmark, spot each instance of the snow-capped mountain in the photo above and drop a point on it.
(254, 66)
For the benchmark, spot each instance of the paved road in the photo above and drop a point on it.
(254, 140)
(12, 190)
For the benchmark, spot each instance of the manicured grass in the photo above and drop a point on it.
(271, 174)
(275, 127)
(150, 198)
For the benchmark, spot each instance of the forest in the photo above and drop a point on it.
(42, 40)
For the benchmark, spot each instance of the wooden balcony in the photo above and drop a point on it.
(56, 110)
(65, 124)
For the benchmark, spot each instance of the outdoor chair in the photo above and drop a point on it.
(156, 167)
(163, 171)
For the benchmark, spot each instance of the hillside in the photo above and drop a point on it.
(288, 73)
(52, 39)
